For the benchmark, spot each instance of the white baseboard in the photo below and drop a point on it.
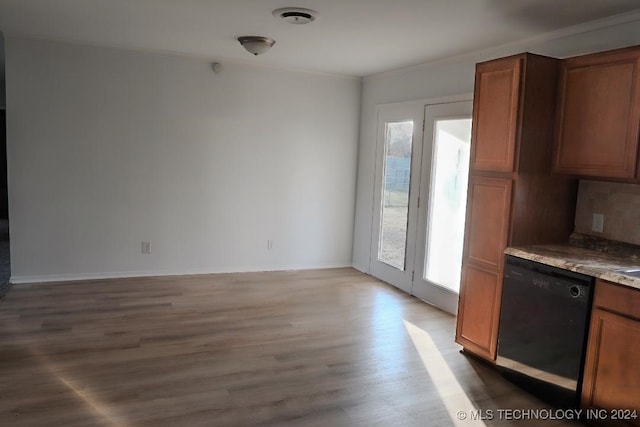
(16, 280)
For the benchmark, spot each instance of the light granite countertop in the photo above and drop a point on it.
(586, 261)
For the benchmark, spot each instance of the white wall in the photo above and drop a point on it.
(453, 77)
(108, 148)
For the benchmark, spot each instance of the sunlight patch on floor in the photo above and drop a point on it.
(451, 393)
(96, 405)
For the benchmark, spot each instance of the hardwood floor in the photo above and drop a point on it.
(311, 348)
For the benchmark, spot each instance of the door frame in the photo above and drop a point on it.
(413, 109)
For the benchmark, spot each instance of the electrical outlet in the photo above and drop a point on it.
(597, 223)
(146, 248)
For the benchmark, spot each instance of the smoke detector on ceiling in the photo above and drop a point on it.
(296, 15)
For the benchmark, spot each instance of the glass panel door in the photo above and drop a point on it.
(395, 199)
(447, 206)
(420, 198)
(443, 187)
(392, 245)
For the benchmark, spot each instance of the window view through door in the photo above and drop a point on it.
(447, 205)
(419, 198)
(395, 194)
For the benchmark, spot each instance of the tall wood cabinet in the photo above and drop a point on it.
(598, 118)
(512, 197)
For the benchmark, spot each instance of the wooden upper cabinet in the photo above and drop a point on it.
(598, 115)
(495, 114)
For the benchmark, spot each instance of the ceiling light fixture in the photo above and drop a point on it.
(296, 15)
(255, 44)
(216, 67)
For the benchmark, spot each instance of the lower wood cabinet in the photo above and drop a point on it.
(612, 368)
(488, 215)
(479, 311)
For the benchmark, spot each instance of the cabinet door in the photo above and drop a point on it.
(495, 114)
(479, 311)
(598, 115)
(612, 369)
(487, 225)
(488, 213)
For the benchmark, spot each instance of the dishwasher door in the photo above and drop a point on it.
(543, 328)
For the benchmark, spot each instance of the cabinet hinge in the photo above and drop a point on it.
(418, 201)
(423, 124)
(413, 275)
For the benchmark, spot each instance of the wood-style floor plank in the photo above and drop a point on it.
(310, 348)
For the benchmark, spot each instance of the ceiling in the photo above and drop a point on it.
(351, 37)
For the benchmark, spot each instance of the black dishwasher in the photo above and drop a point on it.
(543, 329)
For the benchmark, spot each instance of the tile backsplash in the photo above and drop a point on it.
(620, 205)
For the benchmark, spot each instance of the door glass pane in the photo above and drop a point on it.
(448, 202)
(395, 194)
